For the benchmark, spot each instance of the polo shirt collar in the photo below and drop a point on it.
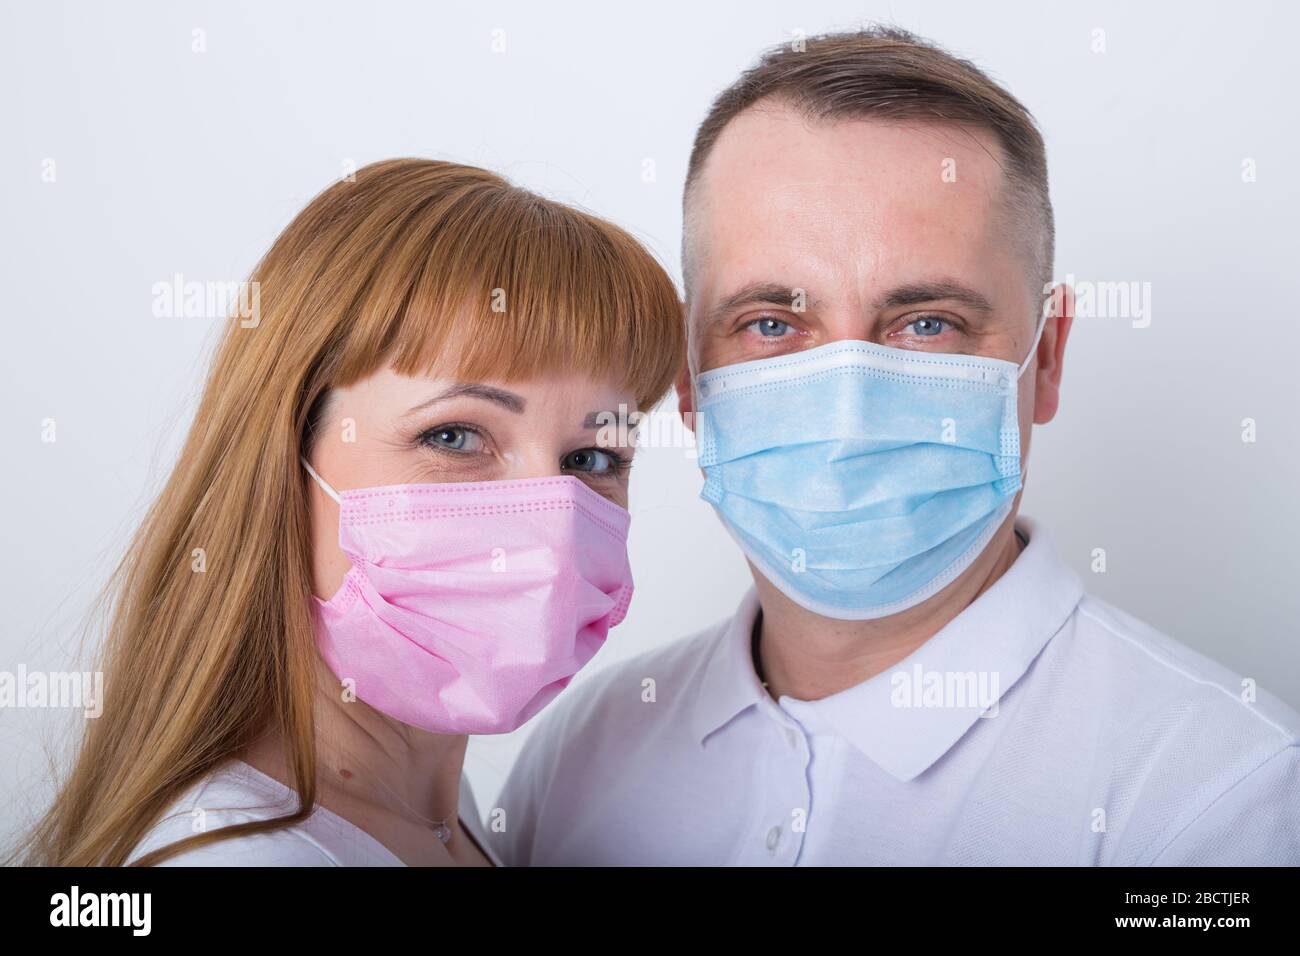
(729, 684)
(895, 718)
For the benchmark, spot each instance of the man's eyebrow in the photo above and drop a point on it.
(499, 396)
(770, 293)
(934, 291)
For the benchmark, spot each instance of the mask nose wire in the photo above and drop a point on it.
(320, 481)
(1033, 348)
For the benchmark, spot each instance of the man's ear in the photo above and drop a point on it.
(1051, 353)
(685, 395)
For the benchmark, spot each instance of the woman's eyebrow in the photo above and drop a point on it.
(605, 419)
(499, 396)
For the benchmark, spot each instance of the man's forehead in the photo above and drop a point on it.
(779, 178)
(798, 157)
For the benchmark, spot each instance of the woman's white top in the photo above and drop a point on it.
(238, 792)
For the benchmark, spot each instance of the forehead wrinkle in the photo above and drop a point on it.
(697, 197)
(1016, 206)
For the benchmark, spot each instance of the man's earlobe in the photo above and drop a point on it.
(685, 397)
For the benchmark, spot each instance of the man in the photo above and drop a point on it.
(916, 677)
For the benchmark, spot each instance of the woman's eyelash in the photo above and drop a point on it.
(621, 462)
(426, 437)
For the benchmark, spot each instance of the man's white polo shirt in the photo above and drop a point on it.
(1105, 743)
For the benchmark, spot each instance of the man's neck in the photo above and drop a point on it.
(806, 656)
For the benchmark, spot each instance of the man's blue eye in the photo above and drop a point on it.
(771, 328)
(927, 326)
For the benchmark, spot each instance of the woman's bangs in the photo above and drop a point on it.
(527, 289)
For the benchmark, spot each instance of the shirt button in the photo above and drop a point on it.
(790, 736)
(773, 837)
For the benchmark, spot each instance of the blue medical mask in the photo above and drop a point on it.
(860, 479)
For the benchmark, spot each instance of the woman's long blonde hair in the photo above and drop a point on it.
(408, 260)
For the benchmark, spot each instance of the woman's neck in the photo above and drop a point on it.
(369, 766)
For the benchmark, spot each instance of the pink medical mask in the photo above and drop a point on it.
(470, 605)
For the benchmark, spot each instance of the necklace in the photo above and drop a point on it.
(440, 828)
(753, 647)
(757, 629)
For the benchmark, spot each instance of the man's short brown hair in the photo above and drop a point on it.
(887, 73)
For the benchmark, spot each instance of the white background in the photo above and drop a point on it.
(171, 161)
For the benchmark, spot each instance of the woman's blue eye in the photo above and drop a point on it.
(927, 326)
(451, 438)
(771, 328)
(591, 460)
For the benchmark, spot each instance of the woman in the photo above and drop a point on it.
(393, 523)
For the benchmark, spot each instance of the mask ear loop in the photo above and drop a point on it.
(693, 374)
(1033, 349)
(320, 481)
